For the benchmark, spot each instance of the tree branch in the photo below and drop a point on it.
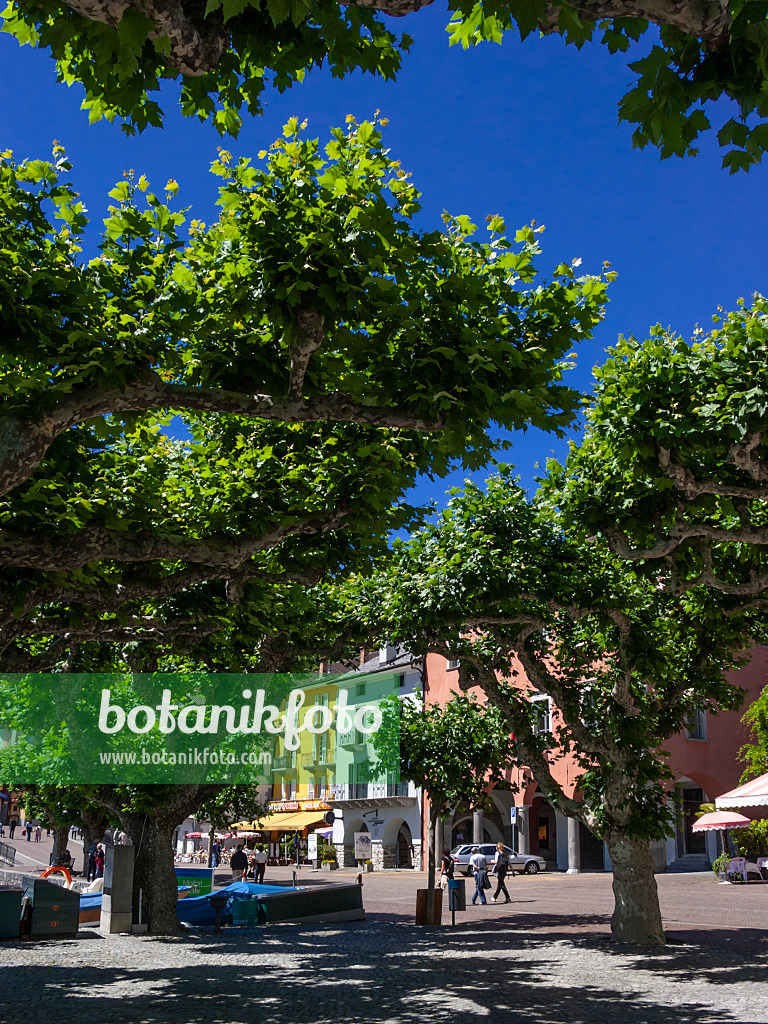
(740, 455)
(92, 544)
(23, 443)
(709, 20)
(195, 48)
(309, 338)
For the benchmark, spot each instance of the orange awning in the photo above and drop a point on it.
(283, 821)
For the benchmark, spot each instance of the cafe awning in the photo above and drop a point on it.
(283, 821)
(752, 794)
(716, 820)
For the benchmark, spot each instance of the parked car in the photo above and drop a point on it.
(529, 863)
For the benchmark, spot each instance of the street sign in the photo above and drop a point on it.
(513, 815)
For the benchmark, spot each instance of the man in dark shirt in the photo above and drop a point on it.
(238, 863)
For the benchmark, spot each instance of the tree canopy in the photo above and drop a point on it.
(532, 610)
(673, 468)
(318, 350)
(224, 53)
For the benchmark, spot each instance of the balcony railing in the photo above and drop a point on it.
(353, 738)
(319, 760)
(349, 791)
(284, 762)
(397, 789)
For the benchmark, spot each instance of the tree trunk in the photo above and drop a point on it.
(60, 839)
(637, 915)
(431, 864)
(154, 877)
(90, 835)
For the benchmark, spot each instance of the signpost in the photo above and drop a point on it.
(362, 845)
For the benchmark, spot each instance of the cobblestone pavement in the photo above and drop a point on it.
(545, 958)
(385, 972)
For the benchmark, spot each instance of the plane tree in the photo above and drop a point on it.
(532, 610)
(222, 55)
(316, 350)
(673, 469)
(58, 759)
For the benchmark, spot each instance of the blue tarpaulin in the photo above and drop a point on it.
(197, 910)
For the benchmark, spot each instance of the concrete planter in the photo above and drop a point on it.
(331, 865)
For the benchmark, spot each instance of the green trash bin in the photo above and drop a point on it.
(247, 913)
(55, 910)
(10, 911)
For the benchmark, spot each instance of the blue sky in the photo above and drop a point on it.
(525, 130)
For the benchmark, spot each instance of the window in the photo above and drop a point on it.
(452, 663)
(542, 706)
(360, 690)
(400, 682)
(696, 726)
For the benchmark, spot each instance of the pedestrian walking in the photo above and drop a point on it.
(446, 869)
(28, 828)
(215, 855)
(239, 864)
(91, 873)
(12, 828)
(500, 868)
(38, 834)
(477, 863)
(99, 859)
(261, 864)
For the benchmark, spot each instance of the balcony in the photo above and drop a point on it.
(353, 738)
(321, 760)
(284, 762)
(397, 789)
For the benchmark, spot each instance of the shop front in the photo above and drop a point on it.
(286, 823)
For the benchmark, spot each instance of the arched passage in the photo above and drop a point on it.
(397, 844)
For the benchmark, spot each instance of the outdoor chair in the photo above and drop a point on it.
(742, 867)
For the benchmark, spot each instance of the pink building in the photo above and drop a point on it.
(703, 758)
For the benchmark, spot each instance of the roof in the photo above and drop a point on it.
(373, 666)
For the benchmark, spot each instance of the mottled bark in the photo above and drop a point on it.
(195, 48)
(637, 915)
(709, 20)
(60, 841)
(154, 877)
(395, 8)
(196, 45)
(309, 338)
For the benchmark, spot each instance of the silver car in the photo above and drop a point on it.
(530, 863)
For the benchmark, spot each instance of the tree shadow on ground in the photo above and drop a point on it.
(399, 974)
